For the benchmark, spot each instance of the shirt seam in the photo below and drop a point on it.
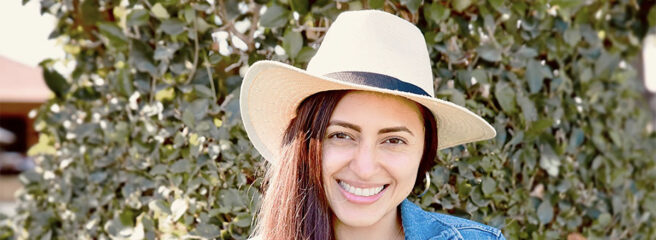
(494, 232)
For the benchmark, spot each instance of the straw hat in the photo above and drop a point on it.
(363, 50)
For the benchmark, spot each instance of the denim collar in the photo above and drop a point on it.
(419, 224)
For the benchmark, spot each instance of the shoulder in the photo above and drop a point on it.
(468, 229)
(420, 224)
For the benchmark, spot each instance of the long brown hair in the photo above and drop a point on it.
(294, 204)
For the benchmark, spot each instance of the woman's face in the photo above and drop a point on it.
(371, 153)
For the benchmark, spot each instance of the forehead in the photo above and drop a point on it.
(373, 105)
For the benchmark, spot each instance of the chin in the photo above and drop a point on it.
(357, 217)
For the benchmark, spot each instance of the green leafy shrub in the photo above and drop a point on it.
(144, 139)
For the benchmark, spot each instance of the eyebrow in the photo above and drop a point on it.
(357, 128)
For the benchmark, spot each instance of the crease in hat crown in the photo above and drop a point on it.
(369, 41)
(378, 42)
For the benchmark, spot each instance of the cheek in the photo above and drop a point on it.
(403, 168)
(333, 159)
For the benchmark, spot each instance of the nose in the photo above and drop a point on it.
(364, 164)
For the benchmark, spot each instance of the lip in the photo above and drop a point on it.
(361, 199)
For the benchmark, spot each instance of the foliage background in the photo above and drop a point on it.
(144, 140)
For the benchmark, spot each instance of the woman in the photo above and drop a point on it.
(348, 138)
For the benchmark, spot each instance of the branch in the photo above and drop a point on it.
(308, 28)
(209, 75)
(230, 27)
(193, 69)
(256, 18)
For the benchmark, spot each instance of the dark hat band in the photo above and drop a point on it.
(377, 80)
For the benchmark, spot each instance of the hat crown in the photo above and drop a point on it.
(377, 42)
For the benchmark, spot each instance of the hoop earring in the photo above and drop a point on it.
(427, 185)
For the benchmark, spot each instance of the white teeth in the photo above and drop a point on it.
(365, 192)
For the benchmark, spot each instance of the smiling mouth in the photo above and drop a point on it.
(362, 192)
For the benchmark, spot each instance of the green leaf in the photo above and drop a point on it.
(505, 95)
(606, 64)
(166, 94)
(565, 4)
(413, 5)
(178, 208)
(545, 212)
(90, 13)
(43, 147)
(440, 176)
(137, 17)
(159, 206)
(436, 12)
(489, 52)
(231, 199)
(172, 26)
(124, 80)
(539, 126)
(528, 108)
(575, 139)
(114, 34)
(188, 117)
(305, 54)
(193, 140)
(534, 76)
(549, 161)
(207, 231)
(454, 95)
(203, 91)
(461, 5)
(232, 9)
(292, 42)
(480, 75)
(376, 4)
(299, 6)
(165, 52)
(651, 16)
(98, 177)
(572, 36)
(477, 198)
(86, 93)
(464, 77)
(496, 4)
(189, 14)
(526, 52)
(127, 217)
(181, 166)
(488, 186)
(604, 219)
(55, 81)
(199, 107)
(116, 229)
(120, 132)
(141, 57)
(275, 16)
(159, 11)
(243, 220)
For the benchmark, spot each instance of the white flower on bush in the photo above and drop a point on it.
(133, 101)
(153, 109)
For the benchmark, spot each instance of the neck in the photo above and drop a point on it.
(388, 227)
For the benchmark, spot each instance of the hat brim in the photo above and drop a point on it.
(271, 91)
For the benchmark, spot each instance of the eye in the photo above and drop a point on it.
(340, 135)
(395, 141)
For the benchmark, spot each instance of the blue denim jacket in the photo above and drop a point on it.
(419, 225)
